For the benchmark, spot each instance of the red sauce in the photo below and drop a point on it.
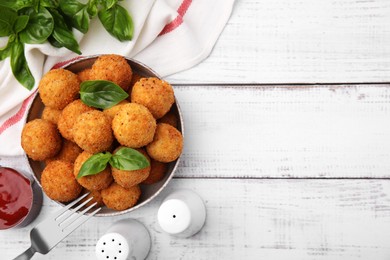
(15, 197)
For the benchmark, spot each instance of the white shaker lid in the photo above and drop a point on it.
(112, 246)
(174, 216)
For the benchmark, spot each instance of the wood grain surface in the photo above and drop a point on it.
(253, 219)
(317, 131)
(295, 41)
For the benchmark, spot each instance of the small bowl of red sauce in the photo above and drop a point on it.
(20, 199)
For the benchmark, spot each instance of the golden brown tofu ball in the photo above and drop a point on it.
(155, 94)
(96, 197)
(68, 152)
(68, 117)
(134, 125)
(92, 132)
(58, 88)
(84, 75)
(58, 181)
(111, 112)
(112, 68)
(40, 139)
(169, 118)
(167, 144)
(128, 179)
(98, 181)
(51, 114)
(157, 172)
(118, 198)
(136, 77)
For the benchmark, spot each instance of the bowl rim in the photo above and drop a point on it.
(176, 162)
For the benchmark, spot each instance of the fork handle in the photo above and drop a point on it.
(26, 254)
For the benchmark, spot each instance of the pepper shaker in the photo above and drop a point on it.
(182, 213)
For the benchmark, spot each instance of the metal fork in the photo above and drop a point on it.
(56, 227)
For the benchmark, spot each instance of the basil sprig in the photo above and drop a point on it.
(38, 21)
(101, 93)
(125, 158)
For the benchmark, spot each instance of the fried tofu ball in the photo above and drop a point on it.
(128, 179)
(136, 77)
(68, 152)
(98, 181)
(58, 88)
(40, 139)
(134, 125)
(111, 112)
(68, 117)
(155, 94)
(157, 172)
(51, 114)
(118, 198)
(96, 197)
(58, 181)
(84, 75)
(167, 144)
(92, 131)
(112, 68)
(169, 118)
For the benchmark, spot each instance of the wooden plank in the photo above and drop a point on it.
(286, 41)
(290, 131)
(253, 219)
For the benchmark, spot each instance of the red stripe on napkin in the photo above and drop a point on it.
(179, 19)
(18, 116)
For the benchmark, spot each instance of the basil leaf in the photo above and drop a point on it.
(62, 35)
(94, 164)
(6, 51)
(109, 3)
(20, 67)
(92, 8)
(7, 20)
(129, 159)
(101, 93)
(20, 23)
(49, 3)
(17, 5)
(117, 22)
(77, 13)
(39, 27)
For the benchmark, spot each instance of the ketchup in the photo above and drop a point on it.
(15, 197)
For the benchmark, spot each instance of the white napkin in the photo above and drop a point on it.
(169, 36)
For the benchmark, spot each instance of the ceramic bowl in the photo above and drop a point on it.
(149, 192)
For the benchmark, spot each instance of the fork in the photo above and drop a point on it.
(56, 227)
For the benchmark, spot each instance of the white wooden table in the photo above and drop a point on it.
(287, 140)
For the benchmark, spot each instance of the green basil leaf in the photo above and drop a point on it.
(49, 3)
(6, 51)
(77, 14)
(17, 5)
(94, 164)
(101, 93)
(7, 20)
(117, 22)
(39, 27)
(20, 23)
(20, 67)
(62, 35)
(128, 159)
(109, 3)
(92, 8)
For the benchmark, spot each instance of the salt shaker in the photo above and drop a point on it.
(126, 239)
(182, 213)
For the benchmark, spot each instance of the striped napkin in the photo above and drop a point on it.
(169, 36)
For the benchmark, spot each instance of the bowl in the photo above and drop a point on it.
(149, 192)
